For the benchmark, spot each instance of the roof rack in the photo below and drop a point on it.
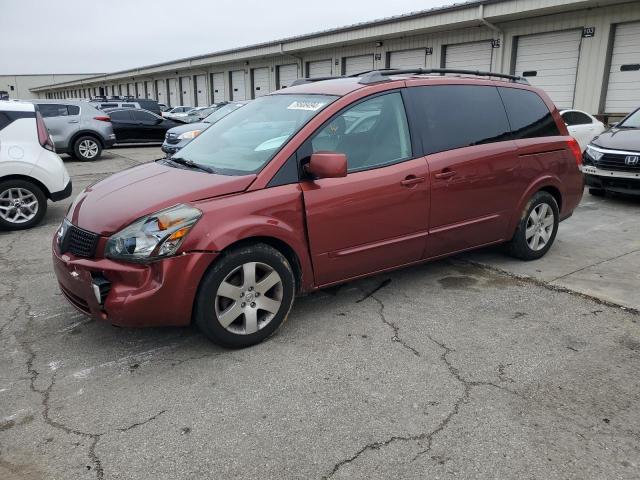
(302, 81)
(376, 76)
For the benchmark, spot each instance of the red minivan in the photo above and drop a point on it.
(314, 185)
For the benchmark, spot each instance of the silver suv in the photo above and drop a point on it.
(77, 128)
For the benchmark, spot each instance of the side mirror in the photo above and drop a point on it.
(327, 165)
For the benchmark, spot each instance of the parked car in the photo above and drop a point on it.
(178, 137)
(175, 110)
(30, 171)
(134, 125)
(77, 128)
(582, 126)
(277, 200)
(163, 107)
(612, 159)
(143, 103)
(197, 114)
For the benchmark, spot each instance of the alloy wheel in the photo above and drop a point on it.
(88, 148)
(18, 205)
(248, 298)
(539, 227)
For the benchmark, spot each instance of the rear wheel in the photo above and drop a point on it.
(22, 204)
(87, 148)
(245, 296)
(537, 228)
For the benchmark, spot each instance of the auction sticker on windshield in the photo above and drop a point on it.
(312, 106)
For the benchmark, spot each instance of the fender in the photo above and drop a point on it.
(536, 185)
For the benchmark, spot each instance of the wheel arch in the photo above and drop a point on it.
(27, 178)
(549, 184)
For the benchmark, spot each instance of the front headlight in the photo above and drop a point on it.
(62, 230)
(154, 236)
(189, 135)
(593, 153)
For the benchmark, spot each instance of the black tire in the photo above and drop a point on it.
(24, 186)
(87, 148)
(208, 302)
(597, 192)
(519, 247)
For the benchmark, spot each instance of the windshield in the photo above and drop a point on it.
(222, 112)
(244, 142)
(632, 121)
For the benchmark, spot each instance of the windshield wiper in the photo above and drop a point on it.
(192, 164)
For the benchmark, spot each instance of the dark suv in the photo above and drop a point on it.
(315, 185)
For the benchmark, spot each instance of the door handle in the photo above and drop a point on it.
(445, 174)
(74, 121)
(411, 180)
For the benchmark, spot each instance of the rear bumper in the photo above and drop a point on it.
(157, 294)
(62, 194)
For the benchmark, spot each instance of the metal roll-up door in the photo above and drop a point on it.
(319, 68)
(238, 90)
(260, 82)
(287, 74)
(186, 91)
(174, 97)
(550, 62)
(469, 56)
(217, 87)
(408, 58)
(201, 90)
(140, 90)
(149, 89)
(361, 63)
(161, 92)
(623, 88)
(131, 89)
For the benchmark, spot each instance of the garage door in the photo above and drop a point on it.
(408, 59)
(287, 74)
(131, 89)
(201, 90)
(469, 56)
(149, 89)
(260, 82)
(174, 93)
(550, 61)
(319, 68)
(238, 91)
(186, 91)
(623, 89)
(353, 65)
(217, 85)
(161, 92)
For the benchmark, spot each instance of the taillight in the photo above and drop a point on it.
(43, 134)
(103, 118)
(574, 146)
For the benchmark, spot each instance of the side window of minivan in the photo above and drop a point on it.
(528, 114)
(373, 133)
(457, 116)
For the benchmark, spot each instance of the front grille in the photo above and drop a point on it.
(617, 161)
(171, 138)
(79, 242)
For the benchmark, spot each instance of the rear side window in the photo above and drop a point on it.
(576, 118)
(143, 116)
(457, 116)
(109, 105)
(528, 114)
(48, 110)
(73, 109)
(121, 116)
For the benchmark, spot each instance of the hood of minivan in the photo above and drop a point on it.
(619, 139)
(113, 203)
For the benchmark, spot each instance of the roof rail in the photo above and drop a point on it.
(376, 76)
(302, 81)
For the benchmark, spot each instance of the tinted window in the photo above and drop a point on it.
(576, 118)
(456, 116)
(143, 116)
(372, 133)
(528, 114)
(120, 116)
(48, 110)
(73, 109)
(109, 105)
(127, 105)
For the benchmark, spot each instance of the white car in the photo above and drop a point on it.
(30, 170)
(176, 111)
(582, 126)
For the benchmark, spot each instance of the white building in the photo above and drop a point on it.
(584, 53)
(21, 86)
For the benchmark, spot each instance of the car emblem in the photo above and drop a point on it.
(631, 160)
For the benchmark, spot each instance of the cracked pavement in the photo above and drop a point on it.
(473, 367)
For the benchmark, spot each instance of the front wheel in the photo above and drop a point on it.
(537, 228)
(245, 296)
(22, 204)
